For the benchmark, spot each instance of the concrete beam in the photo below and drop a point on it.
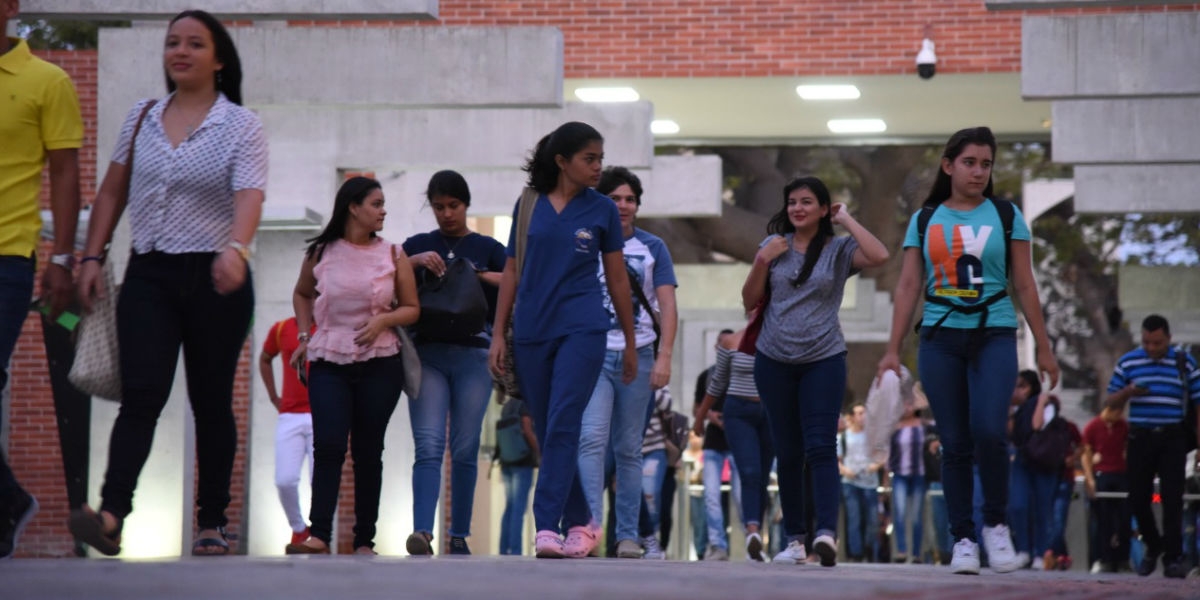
(1141, 130)
(309, 143)
(1136, 54)
(1137, 188)
(1036, 4)
(128, 10)
(405, 66)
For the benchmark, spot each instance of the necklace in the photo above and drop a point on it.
(450, 254)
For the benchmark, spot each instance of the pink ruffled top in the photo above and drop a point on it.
(354, 283)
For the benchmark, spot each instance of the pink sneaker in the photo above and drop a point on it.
(548, 544)
(581, 540)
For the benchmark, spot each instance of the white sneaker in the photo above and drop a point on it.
(754, 547)
(1001, 556)
(1022, 559)
(793, 554)
(966, 558)
(826, 547)
(653, 550)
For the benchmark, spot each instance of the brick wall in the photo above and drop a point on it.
(602, 38)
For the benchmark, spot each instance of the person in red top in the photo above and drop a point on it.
(293, 430)
(1104, 471)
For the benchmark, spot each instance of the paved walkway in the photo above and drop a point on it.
(488, 578)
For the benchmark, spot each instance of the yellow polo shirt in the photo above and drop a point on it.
(39, 111)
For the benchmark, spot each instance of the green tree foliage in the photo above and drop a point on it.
(57, 34)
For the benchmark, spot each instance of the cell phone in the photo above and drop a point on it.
(303, 373)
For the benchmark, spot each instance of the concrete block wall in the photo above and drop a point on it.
(246, 9)
(1126, 92)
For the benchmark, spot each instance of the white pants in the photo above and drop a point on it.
(293, 442)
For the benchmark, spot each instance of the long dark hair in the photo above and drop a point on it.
(565, 141)
(228, 80)
(981, 136)
(1031, 379)
(353, 191)
(780, 224)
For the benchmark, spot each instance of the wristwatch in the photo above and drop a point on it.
(242, 249)
(66, 261)
(303, 336)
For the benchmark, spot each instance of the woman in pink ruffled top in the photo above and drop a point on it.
(357, 288)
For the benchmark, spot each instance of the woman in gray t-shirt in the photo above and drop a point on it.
(800, 365)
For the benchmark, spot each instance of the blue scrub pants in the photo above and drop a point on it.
(557, 378)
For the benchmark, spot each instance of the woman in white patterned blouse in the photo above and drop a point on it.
(196, 166)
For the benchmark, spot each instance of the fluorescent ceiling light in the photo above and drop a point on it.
(856, 125)
(607, 94)
(828, 92)
(664, 127)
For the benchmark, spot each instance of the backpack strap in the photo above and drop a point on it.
(641, 297)
(1007, 213)
(525, 206)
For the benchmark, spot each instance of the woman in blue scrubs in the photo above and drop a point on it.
(560, 324)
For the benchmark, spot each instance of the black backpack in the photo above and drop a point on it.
(511, 447)
(1046, 450)
(1007, 213)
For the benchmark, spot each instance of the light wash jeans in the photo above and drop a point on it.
(714, 463)
(654, 470)
(455, 386)
(518, 481)
(616, 415)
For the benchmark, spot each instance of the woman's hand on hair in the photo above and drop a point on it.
(773, 249)
(838, 213)
(228, 271)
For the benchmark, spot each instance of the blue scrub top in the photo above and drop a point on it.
(559, 293)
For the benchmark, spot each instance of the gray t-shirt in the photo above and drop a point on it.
(801, 323)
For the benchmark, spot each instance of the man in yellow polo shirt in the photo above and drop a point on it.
(39, 120)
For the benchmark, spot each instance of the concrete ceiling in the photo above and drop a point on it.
(766, 110)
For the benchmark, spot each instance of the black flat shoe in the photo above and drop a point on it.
(87, 526)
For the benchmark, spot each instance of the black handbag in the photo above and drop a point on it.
(453, 306)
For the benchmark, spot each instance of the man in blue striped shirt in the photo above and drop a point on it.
(1149, 379)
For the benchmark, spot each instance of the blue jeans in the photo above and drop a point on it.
(517, 483)
(16, 291)
(556, 379)
(749, 439)
(969, 378)
(654, 470)
(1031, 508)
(941, 522)
(615, 416)
(802, 402)
(356, 401)
(1062, 507)
(714, 463)
(908, 501)
(862, 521)
(455, 386)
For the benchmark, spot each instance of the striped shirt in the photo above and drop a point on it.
(654, 438)
(732, 375)
(1163, 405)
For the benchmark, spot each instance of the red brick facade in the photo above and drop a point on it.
(603, 39)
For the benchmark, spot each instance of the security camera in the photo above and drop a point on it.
(926, 60)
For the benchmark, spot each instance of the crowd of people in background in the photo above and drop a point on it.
(571, 326)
